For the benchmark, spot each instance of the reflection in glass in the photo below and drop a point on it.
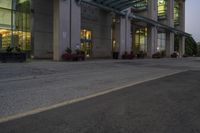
(176, 12)
(161, 42)
(140, 40)
(86, 42)
(15, 24)
(140, 5)
(7, 4)
(162, 8)
(5, 21)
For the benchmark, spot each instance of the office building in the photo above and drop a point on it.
(47, 28)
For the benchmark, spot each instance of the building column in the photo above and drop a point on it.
(128, 40)
(124, 39)
(182, 15)
(169, 44)
(182, 46)
(152, 32)
(66, 27)
(75, 24)
(122, 36)
(182, 27)
(170, 35)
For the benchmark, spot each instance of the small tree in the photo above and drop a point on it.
(191, 47)
(198, 49)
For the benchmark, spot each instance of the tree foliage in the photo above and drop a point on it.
(198, 49)
(191, 47)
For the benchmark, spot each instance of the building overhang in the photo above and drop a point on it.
(117, 6)
(158, 24)
(120, 5)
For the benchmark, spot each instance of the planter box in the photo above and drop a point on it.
(115, 55)
(157, 55)
(13, 57)
(174, 55)
(73, 57)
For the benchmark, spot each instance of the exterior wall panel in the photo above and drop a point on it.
(99, 22)
(43, 28)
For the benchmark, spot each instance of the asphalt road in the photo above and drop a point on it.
(166, 105)
(29, 86)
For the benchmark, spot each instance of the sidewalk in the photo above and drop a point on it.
(28, 86)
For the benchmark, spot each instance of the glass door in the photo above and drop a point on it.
(140, 43)
(86, 42)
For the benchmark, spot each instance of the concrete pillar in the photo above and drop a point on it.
(152, 34)
(75, 24)
(122, 36)
(170, 13)
(66, 26)
(182, 46)
(182, 15)
(169, 44)
(125, 41)
(152, 30)
(182, 27)
(128, 40)
(170, 22)
(153, 9)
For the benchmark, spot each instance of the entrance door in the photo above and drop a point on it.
(86, 42)
(87, 48)
(140, 43)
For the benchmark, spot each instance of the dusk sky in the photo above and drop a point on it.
(193, 18)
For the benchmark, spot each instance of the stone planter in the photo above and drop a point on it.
(13, 57)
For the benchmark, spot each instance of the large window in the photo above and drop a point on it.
(140, 40)
(115, 21)
(176, 12)
(161, 42)
(140, 5)
(162, 8)
(86, 42)
(15, 24)
(6, 4)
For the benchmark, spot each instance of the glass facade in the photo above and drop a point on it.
(140, 40)
(113, 30)
(86, 42)
(162, 9)
(141, 5)
(176, 12)
(161, 42)
(15, 24)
